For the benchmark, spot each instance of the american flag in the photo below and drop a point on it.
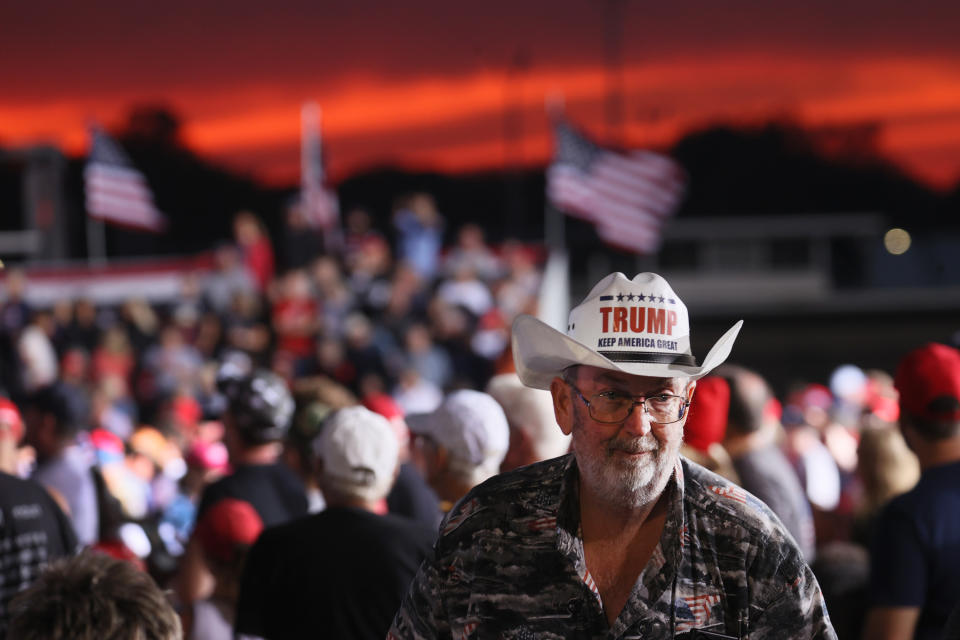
(115, 190)
(318, 204)
(626, 195)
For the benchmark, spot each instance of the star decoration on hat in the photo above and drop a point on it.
(642, 297)
(630, 296)
(660, 299)
(619, 297)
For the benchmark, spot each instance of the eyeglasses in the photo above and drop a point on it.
(611, 407)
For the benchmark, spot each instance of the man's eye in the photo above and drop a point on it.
(612, 396)
(660, 398)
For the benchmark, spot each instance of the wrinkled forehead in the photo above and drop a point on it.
(586, 374)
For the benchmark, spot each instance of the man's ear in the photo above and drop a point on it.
(690, 388)
(562, 405)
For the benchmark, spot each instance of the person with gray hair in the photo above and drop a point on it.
(93, 596)
(340, 573)
(534, 436)
(460, 444)
(623, 538)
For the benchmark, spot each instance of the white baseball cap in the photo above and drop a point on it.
(637, 326)
(358, 450)
(470, 425)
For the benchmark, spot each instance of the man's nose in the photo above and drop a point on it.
(638, 423)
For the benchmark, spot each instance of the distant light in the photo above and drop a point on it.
(896, 241)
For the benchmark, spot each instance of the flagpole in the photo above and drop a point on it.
(96, 242)
(554, 300)
(554, 231)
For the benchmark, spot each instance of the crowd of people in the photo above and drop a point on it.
(297, 440)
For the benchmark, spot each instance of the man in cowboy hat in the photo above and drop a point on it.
(622, 538)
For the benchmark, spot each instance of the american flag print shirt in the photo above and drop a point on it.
(509, 563)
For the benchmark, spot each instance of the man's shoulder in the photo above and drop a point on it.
(728, 506)
(507, 499)
(934, 497)
(523, 483)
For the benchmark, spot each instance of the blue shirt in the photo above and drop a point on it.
(915, 553)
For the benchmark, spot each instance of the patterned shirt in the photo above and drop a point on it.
(510, 564)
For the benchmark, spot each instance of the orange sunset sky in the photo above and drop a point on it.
(427, 84)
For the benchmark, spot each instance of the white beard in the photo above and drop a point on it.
(625, 482)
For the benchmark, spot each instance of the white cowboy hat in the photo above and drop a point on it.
(637, 326)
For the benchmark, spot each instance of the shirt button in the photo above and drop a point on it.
(574, 605)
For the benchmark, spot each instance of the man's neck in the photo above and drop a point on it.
(258, 454)
(617, 545)
(937, 453)
(603, 517)
(334, 502)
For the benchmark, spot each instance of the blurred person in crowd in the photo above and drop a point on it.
(62, 313)
(227, 278)
(113, 356)
(226, 532)
(886, 468)
(407, 299)
(415, 394)
(15, 313)
(301, 242)
(453, 328)
(74, 378)
(83, 331)
(209, 336)
(255, 247)
(330, 287)
(141, 323)
(361, 349)
(492, 337)
(172, 363)
(342, 572)
(534, 436)
(295, 319)
(34, 529)
(808, 409)
(915, 552)
(461, 443)
(369, 274)
(410, 496)
(623, 538)
(471, 252)
(93, 596)
(430, 361)
(298, 449)
(762, 467)
(245, 328)
(207, 461)
(53, 423)
(332, 362)
(258, 415)
(37, 357)
(465, 290)
(517, 292)
(706, 427)
(419, 233)
(359, 234)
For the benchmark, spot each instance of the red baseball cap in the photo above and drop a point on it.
(928, 376)
(384, 405)
(707, 420)
(228, 524)
(11, 415)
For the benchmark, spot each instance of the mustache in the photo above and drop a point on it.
(637, 445)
